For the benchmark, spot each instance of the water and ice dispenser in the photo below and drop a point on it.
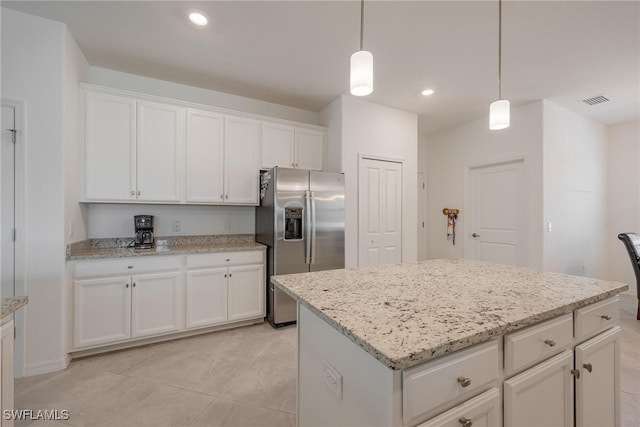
(293, 224)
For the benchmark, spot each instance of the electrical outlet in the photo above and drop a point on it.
(227, 225)
(333, 379)
(177, 226)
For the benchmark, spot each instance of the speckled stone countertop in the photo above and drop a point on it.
(406, 314)
(179, 245)
(9, 305)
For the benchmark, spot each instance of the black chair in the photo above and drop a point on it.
(632, 243)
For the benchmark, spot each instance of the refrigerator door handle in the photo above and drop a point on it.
(307, 228)
(313, 229)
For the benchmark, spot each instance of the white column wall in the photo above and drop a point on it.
(575, 185)
(623, 205)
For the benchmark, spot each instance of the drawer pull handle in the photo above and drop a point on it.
(550, 343)
(466, 422)
(587, 366)
(575, 373)
(130, 267)
(606, 317)
(464, 382)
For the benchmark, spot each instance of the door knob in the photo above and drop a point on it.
(474, 235)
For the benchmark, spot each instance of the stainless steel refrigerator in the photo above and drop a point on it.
(301, 220)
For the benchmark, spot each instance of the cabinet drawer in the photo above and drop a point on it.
(483, 410)
(125, 266)
(595, 318)
(451, 378)
(532, 345)
(224, 259)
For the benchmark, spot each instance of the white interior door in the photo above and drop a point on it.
(379, 212)
(7, 192)
(422, 216)
(499, 217)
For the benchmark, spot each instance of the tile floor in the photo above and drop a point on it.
(241, 377)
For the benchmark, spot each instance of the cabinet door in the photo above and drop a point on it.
(246, 292)
(6, 372)
(159, 142)
(102, 311)
(310, 149)
(206, 293)
(481, 411)
(156, 302)
(598, 388)
(205, 157)
(542, 395)
(277, 145)
(242, 164)
(109, 147)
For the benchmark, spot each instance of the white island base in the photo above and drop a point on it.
(549, 368)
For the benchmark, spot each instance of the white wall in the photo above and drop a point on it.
(452, 151)
(575, 179)
(624, 198)
(32, 71)
(116, 220)
(378, 131)
(151, 86)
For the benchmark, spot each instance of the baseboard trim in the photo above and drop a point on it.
(47, 366)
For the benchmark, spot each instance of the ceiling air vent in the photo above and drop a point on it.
(595, 100)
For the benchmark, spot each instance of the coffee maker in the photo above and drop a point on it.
(144, 231)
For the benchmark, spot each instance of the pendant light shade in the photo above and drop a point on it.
(361, 73)
(499, 110)
(361, 65)
(499, 114)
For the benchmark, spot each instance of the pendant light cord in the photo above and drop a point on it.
(361, 22)
(499, 49)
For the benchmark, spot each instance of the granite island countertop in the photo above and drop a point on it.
(11, 304)
(176, 245)
(407, 314)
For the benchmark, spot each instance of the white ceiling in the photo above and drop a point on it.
(297, 53)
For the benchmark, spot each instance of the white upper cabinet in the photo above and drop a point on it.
(241, 160)
(309, 149)
(277, 145)
(292, 147)
(110, 147)
(160, 138)
(222, 159)
(205, 157)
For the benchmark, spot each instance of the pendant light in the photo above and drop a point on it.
(499, 110)
(361, 65)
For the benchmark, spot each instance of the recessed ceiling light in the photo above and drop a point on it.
(427, 92)
(198, 17)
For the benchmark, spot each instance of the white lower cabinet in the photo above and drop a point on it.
(598, 385)
(542, 395)
(116, 300)
(224, 287)
(481, 411)
(6, 371)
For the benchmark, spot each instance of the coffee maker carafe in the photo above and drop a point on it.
(144, 231)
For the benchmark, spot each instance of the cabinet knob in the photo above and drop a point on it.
(134, 285)
(227, 259)
(229, 274)
(133, 193)
(225, 276)
(126, 285)
(606, 317)
(575, 373)
(465, 422)
(226, 196)
(464, 381)
(138, 192)
(587, 366)
(222, 197)
(550, 343)
(130, 267)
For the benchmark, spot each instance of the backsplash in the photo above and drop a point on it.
(116, 220)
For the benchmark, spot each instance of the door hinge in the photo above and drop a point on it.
(14, 234)
(13, 134)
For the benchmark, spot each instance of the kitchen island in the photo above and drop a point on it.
(376, 345)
